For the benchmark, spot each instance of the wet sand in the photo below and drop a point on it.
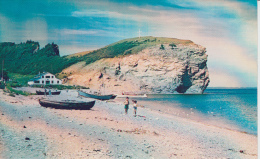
(31, 131)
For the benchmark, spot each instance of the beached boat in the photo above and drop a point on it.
(95, 96)
(67, 104)
(47, 93)
(113, 96)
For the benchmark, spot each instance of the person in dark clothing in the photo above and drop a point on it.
(126, 105)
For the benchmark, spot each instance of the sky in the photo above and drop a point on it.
(227, 28)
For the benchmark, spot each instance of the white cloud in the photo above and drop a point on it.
(106, 32)
(7, 28)
(97, 13)
(80, 32)
(35, 29)
(245, 13)
(228, 52)
(222, 79)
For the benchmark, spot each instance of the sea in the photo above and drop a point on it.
(229, 108)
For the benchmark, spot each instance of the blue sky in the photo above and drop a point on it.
(227, 28)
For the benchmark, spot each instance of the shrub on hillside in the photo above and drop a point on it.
(11, 94)
(162, 47)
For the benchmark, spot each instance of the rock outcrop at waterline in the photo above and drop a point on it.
(155, 69)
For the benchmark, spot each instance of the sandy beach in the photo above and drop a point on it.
(29, 130)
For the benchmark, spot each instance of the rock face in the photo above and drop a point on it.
(156, 69)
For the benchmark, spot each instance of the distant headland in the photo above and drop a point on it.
(146, 64)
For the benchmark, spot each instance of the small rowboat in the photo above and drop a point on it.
(67, 104)
(47, 93)
(113, 96)
(95, 96)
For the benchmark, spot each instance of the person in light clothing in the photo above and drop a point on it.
(134, 106)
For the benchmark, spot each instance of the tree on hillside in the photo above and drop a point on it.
(5, 77)
(162, 47)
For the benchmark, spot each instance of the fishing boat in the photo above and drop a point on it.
(67, 104)
(47, 93)
(95, 96)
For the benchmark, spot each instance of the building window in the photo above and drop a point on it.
(51, 81)
(52, 76)
(42, 81)
(58, 81)
(36, 81)
(47, 76)
(42, 76)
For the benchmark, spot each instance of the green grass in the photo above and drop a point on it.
(19, 80)
(17, 92)
(129, 46)
(60, 87)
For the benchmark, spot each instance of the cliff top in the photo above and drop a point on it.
(132, 45)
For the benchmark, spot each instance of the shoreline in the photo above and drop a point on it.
(188, 114)
(107, 133)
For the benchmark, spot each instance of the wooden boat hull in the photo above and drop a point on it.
(67, 104)
(47, 93)
(113, 97)
(100, 97)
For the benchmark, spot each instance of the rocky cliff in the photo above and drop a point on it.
(162, 68)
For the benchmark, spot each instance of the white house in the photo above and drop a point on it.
(44, 78)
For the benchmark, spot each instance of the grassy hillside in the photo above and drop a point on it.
(78, 54)
(129, 46)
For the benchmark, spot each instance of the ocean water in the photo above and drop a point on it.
(228, 108)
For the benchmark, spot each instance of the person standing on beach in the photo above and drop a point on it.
(50, 92)
(135, 107)
(45, 92)
(126, 105)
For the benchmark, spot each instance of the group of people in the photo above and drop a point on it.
(45, 92)
(126, 103)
